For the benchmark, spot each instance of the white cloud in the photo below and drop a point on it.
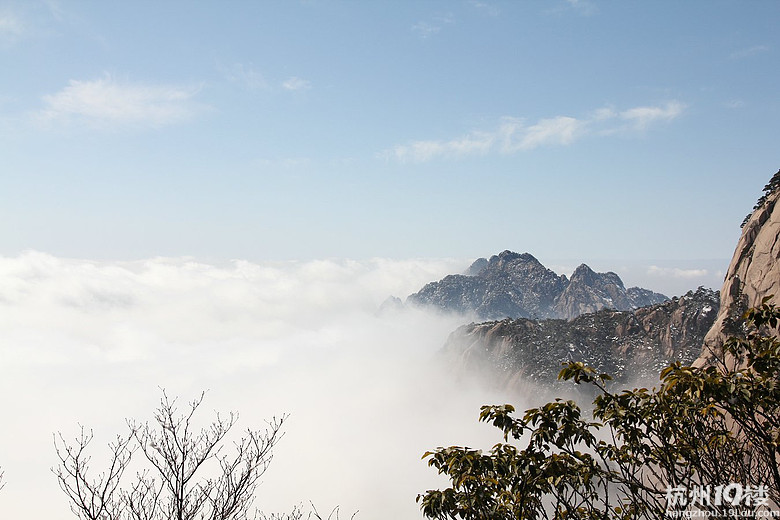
(514, 135)
(426, 29)
(11, 27)
(735, 103)
(10, 24)
(296, 83)
(748, 52)
(246, 76)
(489, 9)
(286, 163)
(581, 7)
(559, 130)
(584, 7)
(676, 272)
(604, 113)
(421, 151)
(107, 102)
(641, 117)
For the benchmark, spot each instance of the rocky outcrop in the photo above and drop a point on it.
(754, 271)
(628, 345)
(518, 286)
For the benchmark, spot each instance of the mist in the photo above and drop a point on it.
(92, 343)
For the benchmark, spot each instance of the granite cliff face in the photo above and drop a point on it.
(754, 271)
(518, 286)
(628, 345)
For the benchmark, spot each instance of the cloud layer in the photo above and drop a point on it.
(515, 135)
(90, 343)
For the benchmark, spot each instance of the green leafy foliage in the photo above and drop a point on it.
(703, 426)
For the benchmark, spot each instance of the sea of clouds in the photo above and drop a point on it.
(92, 343)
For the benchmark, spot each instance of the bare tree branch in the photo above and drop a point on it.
(91, 499)
(190, 476)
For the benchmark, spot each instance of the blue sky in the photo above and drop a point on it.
(316, 129)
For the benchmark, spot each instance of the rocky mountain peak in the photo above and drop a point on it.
(583, 271)
(587, 276)
(507, 256)
(476, 267)
(517, 285)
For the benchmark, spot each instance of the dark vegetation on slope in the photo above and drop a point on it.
(769, 189)
(625, 344)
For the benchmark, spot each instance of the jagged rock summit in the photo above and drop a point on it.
(513, 285)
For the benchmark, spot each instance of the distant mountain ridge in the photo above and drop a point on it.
(691, 329)
(513, 285)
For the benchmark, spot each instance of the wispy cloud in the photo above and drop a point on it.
(676, 272)
(107, 102)
(296, 83)
(641, 117)
(748, 52)
(246, 76)
(485, 7)
(421, 151)
(559, 130)
(514, 135)
(585, 7)
(426, 29)
(56, 9)
(11, 27)
(581, 7)
(286, 163)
